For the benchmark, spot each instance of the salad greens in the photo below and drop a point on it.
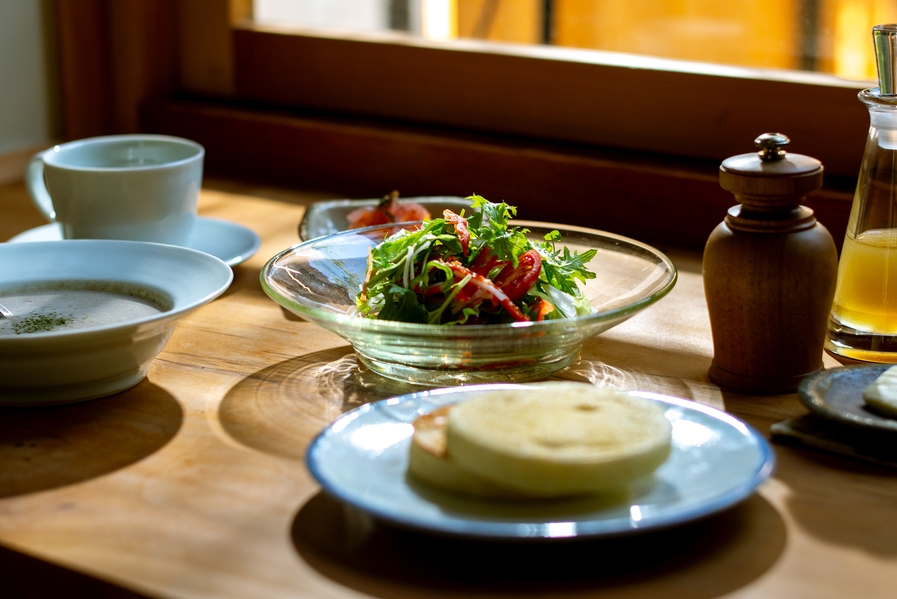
(473, 270)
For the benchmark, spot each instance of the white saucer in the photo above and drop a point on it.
(227, 241)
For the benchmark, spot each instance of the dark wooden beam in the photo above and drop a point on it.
(652, 198)
(667, 107)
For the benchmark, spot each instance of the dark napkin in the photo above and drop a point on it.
(872, 446)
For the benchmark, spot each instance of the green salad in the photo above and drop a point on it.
(473, 270)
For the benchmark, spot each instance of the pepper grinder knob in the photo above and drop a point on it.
(772, 146)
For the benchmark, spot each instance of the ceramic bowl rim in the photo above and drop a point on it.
(180, 305)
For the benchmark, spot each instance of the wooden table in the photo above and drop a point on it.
(193, 484)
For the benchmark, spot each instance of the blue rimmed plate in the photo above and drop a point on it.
(716, 462)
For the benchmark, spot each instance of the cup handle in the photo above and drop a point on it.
(40, 197)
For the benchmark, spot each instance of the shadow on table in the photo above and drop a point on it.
(278, 410)
(246, 281)
(705, 559)
(861, 510)
(615, 362)
(842, 501)
(49, 447)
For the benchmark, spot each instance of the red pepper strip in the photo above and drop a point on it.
(490, 288)
(515, 282)
(429, 291)
(460, 224)
(545, 308)
(484, 262)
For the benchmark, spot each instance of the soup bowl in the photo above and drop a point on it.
(319, 279)
(54, 351)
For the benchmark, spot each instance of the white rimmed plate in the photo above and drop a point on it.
(229, 242)
(716, 462)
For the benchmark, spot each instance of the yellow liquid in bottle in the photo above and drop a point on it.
(866, 293)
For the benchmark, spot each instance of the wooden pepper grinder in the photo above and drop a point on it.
(769, 272)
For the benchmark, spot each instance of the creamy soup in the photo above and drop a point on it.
(71, 305)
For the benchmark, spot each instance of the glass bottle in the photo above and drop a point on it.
(863, 323)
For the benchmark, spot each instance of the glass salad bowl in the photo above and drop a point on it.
(319, 279)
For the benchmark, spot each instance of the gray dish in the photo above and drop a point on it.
(328, 217)
(837, 395)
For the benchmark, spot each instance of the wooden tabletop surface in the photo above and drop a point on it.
(193, 483)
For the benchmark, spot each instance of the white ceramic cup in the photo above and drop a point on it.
(136, 187)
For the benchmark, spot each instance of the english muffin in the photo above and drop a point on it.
(558, 439)
(428, 460)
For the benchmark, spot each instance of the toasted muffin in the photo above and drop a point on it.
(558, 439)
(429, 462)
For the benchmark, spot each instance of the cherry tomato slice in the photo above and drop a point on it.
(484, 262)
(515, 282)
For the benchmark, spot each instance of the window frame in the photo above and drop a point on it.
(610, 100)
(634, 148)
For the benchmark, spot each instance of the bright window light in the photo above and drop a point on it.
(439, 20)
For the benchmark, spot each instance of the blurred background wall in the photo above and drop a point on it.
(29, 111)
